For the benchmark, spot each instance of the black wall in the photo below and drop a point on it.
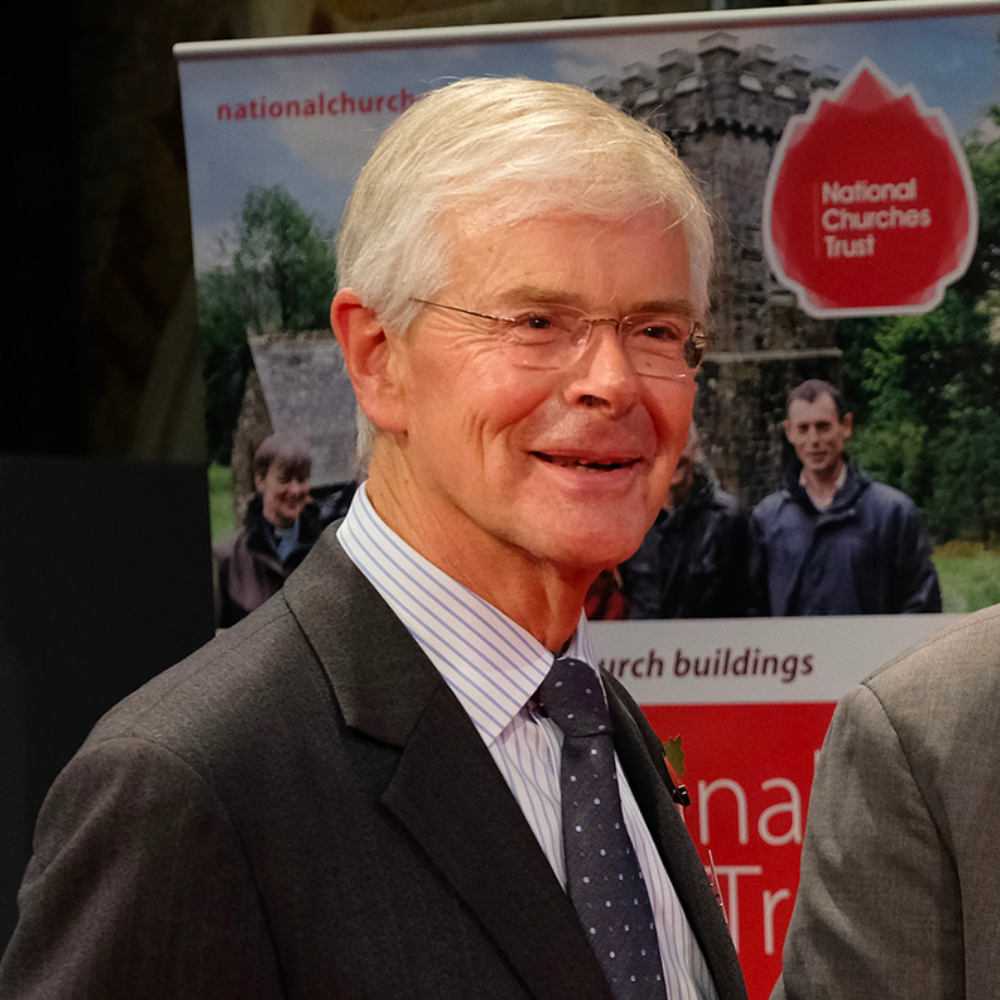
(105, 580)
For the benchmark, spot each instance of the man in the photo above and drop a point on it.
(692, 562)
(899, 896)
(355, 792)
(832, 541)
(279, 530)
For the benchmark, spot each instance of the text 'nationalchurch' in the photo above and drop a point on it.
(316, 106)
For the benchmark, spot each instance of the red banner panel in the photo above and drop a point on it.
(748, 769)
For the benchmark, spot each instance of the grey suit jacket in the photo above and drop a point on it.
(303, 809)
(900, 889)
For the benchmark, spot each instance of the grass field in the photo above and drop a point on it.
(220, 502)
(969, 574)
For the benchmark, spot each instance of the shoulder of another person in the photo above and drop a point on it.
(771, 502)
(223, 551)
(943, 695)
(950, 657)
(889, 496)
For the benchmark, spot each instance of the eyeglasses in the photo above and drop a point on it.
(658, 345)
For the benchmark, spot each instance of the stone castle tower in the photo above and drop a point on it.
(725, 108)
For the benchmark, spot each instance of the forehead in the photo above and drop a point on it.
(586, 260)
(821, 409)
(279, 469)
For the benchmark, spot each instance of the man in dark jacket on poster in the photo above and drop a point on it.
(279, 530)
(832, 541)
(692, 562)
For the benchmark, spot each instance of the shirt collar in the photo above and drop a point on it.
(491, 663)
(822, 503)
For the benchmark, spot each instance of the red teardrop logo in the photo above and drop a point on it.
(869, 206)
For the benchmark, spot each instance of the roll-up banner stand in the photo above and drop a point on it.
(846, 151)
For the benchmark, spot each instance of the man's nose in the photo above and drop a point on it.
(604, 375)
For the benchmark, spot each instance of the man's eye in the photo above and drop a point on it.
(538, 326)
(660, 330)
(536, 321)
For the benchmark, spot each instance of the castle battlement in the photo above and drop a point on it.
(722, 85)
(724, 106)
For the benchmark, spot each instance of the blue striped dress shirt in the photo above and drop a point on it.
(494, 668)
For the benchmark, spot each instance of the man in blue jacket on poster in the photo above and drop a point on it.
(832, 541)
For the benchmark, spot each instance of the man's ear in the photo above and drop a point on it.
(786, 426)
(847, 422)
(370, 355)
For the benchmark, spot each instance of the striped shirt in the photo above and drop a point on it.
(494, 667)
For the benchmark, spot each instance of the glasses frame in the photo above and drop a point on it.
(697, 340)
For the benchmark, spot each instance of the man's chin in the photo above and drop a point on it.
(594, 559)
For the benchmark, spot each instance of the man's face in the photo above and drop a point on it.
(817, 433)
(567, 467)
(284, 496)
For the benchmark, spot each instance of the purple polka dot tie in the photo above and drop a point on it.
(603, 877)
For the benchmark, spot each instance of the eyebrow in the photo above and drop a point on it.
(543, 296)
(533, 294)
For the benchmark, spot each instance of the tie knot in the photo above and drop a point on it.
(573, 697)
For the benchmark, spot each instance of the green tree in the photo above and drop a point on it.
(929, 383)
(925, 386)
(983, 276)
(283, 264)
(226, 357)
(280, 280)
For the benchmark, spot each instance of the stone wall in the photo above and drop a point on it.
(725, 107)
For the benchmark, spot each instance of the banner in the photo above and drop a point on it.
(842, 149)
(853, 246)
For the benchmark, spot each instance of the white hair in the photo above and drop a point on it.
(520, 148)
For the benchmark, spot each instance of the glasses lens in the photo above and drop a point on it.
(696, 346)
(550, 329)
(659, 344)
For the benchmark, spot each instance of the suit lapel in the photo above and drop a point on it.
(641, 757)
(450, 795)
(446, 789)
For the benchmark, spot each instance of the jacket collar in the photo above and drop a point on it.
(855, 484)
(444, 788)
(447, 792)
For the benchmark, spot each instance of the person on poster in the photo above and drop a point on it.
(899, 896)
(279, 529)
(832, 541)
(356, 792)
(693, 561)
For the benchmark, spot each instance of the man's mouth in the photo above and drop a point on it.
(591, 465)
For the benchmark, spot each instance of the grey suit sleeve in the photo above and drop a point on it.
(878, 912)
(138, 887)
